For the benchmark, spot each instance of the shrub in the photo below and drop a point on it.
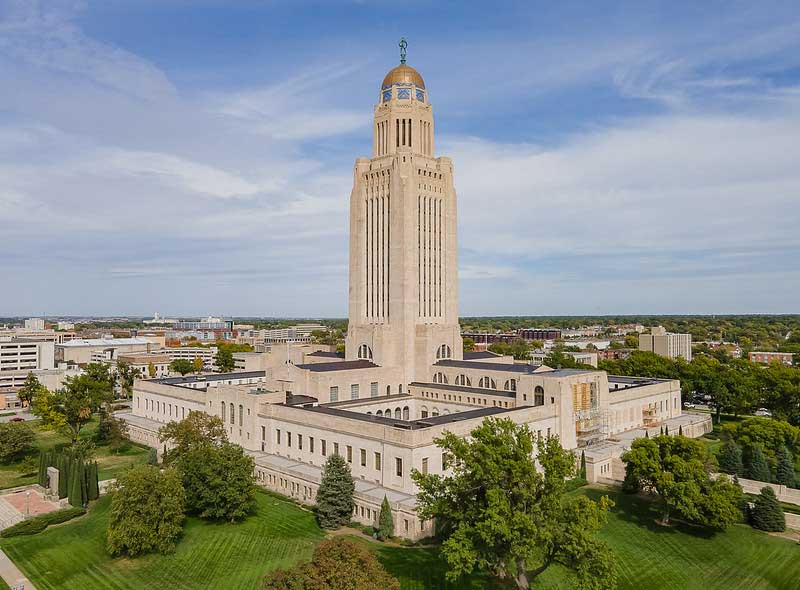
(16, 441)
(766, 513)
(62, 515)
(37, 524)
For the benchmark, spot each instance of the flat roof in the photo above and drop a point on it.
(327, 354)
(410, 424)
(634, 380)
(110, 342)
(509, 368)
(209, 377)
(338, 366)
(483, 354)
(465, 389)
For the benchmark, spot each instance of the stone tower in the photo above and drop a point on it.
(403, 297)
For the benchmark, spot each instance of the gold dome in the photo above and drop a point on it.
(403, 74)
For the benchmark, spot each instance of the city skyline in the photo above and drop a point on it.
(604, 163)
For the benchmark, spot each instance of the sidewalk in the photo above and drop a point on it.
(11, 574)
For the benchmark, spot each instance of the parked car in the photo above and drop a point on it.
(17, 419)
(763, 412)
(689, 405)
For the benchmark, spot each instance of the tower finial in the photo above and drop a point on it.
(403, 45)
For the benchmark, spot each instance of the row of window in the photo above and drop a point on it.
(164, 408)
(297, 440)
(232, 415)
(355, 391)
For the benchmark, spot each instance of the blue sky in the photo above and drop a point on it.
(196, 157)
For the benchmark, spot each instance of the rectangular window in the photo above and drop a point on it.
(263, 433)
(425, 466)
(377, 461)
(289, 439)
(324, 448)
(300, 441)
(363, 458)
(349, 454)
(335, 448)
(354, 391)
(310, 444)
(373, 389)
(334, 393)
(398, 467)
(278, 432)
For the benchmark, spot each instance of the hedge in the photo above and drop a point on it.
(37, 524)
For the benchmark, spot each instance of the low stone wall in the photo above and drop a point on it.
(784, 494)
(792, 521)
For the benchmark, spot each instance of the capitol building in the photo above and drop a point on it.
(404, 378)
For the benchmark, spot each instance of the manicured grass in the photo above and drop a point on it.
(110, 462)
(73, 556)
(650, 556)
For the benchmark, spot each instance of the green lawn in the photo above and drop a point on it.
(72, 556)
(650, 556)
(109, 461)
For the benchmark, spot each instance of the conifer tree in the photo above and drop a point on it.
(385, 521)
(766, 513)
(661, 432)
(784, 473)
(680, 429)
(152, 457)
(757, 467)
(583, 466)
(730, 458)
(666, 430)
(76, 485)
(335, 494)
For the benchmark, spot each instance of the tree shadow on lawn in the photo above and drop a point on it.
(643, 511)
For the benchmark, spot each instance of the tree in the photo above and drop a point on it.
(385, 521)
(127, 375)
(197, 365)
(16, 441)
(766, 513)
(498, 512)
(337, 564)
(757, 467)
(29, 389)
(335, 494)
(182, 366)
(469, 344)
(217, 475)
(730, 458)
(771, 435)
(582, 473)
(152, 457)
(73, 406)
(784, 474)
(675, 469)
(151, 370)
(146, 511)
(224, 360)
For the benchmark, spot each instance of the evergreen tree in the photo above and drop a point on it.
(730, 458)
(75, 485)
(583, 466)
(335, 495)
(94, 482)
(152, 457)
(680, 429)
(757, 467)
(785, 471)
(385, 521)
(666, 430)
(766, 513)
(661, 432)
(63, 474)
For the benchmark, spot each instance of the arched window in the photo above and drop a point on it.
(445, 412)
(435, 412)
(423, 412)
(241, 414)
(440, 378)
(511, 385)
(398, 413)
(223, 411)
(232, 416)
(379, 413)
(405, 413)
(365, 352)
(388, 390)
(538, 396)
(463, 380)
(444, 352)
(487, 383)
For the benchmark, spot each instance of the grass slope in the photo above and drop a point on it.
(110, 462)
(233, 557)
(649, 556)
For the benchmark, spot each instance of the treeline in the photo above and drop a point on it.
(734, 386)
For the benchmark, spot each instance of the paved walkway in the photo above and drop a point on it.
(11, 574)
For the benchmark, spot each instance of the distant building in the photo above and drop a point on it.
(34, 324)
(540, 334)
(160, 361)
(586, 357)
(190, 353)
(81, 351)
(65, 326)
(766, 358)
(24, 354)
(666, 344)
(615, 354)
